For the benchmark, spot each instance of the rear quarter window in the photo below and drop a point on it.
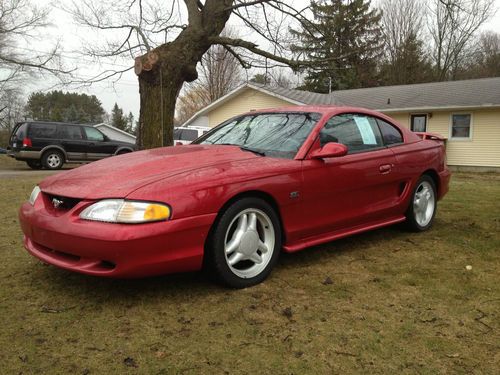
(42, 130)
(390, 134)
(20, 131)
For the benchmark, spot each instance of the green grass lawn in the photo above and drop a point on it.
(383, 302)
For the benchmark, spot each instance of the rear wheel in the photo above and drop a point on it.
(245, 243)
(34, 164)
(420, 214)
(53, 159)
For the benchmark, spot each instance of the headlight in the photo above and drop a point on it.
(127, 212)
(34, 195)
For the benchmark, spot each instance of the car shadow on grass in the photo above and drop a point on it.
(75, 287)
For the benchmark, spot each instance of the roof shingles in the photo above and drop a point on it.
(469, 93)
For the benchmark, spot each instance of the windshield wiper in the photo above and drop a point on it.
(258, 152)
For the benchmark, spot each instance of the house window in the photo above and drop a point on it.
(418, 123)
(461, 125)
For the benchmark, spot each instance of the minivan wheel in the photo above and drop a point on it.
(245, 243)
(34, 164)
(53, 159)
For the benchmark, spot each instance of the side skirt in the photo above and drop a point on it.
(331, 236)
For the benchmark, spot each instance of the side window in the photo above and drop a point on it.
(70, 132)
(177, 134)
(390, 134)
(93, 134)
(184, 134)
(189, 134)
(358, 132)
(20, 131)
(461, 125)
(42, 131)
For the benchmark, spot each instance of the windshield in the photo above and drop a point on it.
(273, 134)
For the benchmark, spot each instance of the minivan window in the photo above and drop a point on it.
(42, 130)
(93, 134)
(70, 132)
(20, 132)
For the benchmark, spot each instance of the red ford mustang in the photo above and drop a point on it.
(260, 183)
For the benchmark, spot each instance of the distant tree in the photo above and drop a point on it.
(20, 21)
(483, 58)
(453, 25)
(409, 64)
(405, 58)
(189, 103)
(261, 79)
(345, 41)
(219, 73)
(68, 107)
(489, 54)
(280, 79)
(11, 112)
(130, 123)
(118, 119)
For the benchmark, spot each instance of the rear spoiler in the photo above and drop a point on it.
(433, 136)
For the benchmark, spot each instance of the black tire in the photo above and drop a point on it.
(53, 159)
(216, 259)
(34, 164)
(412, 221)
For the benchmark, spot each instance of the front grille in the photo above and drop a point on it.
(62, 203)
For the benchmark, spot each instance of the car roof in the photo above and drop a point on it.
(54, 123)
(323, 109)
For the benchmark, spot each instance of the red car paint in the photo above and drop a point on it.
(317, 200)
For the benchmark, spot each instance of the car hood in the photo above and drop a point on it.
(118, 176)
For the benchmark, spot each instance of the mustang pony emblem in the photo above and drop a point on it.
(56, 202)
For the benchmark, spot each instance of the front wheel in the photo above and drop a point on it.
(420, 214)
(245, 243)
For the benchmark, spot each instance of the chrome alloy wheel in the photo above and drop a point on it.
(424, 203)
(54, 160)
(249, 243)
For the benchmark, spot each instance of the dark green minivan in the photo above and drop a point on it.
(51, 144)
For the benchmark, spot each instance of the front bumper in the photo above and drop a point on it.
(112, 250)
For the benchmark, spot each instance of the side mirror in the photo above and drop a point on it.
(330, 150)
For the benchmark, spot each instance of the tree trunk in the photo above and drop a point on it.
(163, 71)
(158, 91)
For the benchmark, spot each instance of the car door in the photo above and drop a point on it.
(73, 142)
(98, 146)
(354, 190)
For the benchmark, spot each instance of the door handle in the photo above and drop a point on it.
(385, 169)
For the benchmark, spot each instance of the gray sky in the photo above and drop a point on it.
(125, 91)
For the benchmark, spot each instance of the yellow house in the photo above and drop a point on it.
(467, 112)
